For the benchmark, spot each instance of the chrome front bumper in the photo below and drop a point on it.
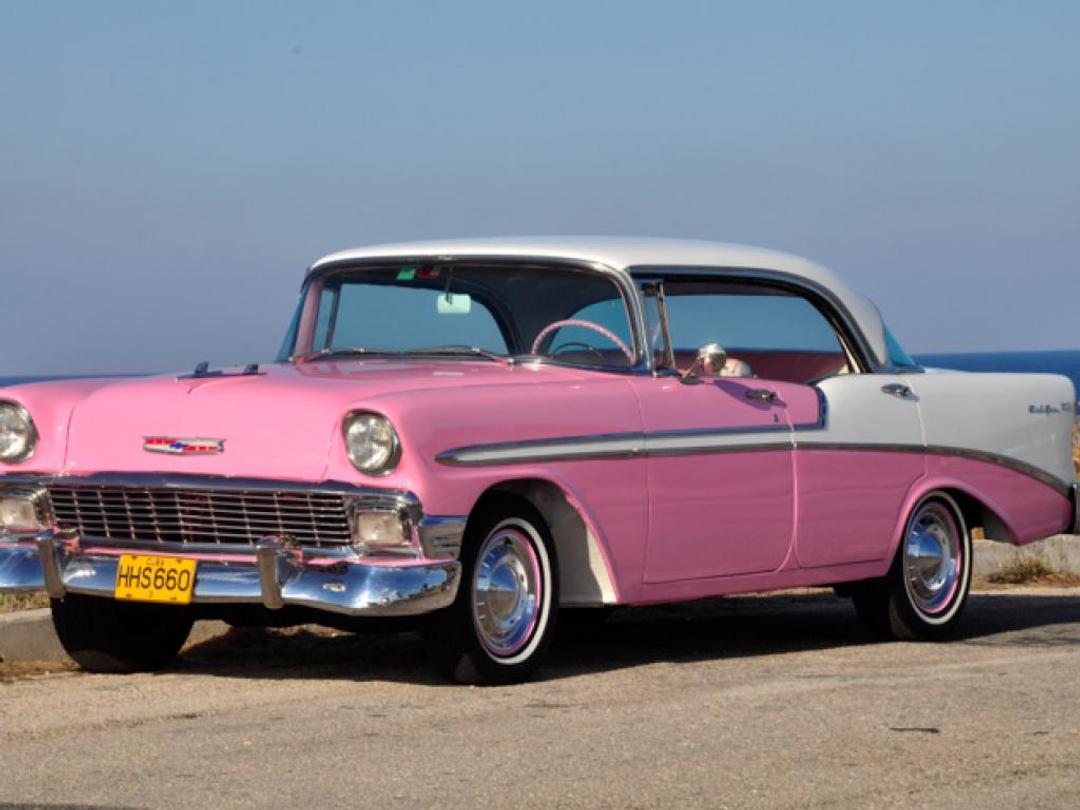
(274, 575)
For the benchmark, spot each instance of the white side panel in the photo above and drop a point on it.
(1026, 417)
(859, 411)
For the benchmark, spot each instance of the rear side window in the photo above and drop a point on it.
(749, 322)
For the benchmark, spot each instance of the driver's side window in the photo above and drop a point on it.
(770, 332)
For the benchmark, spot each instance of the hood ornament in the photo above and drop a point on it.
(183, 447)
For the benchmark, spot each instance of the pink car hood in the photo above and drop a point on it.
(282, 424)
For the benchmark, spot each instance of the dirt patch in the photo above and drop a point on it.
(10, 602)
(11, 671)
(1032, 571)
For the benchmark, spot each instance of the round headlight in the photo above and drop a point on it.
(371, 442)
(17, 433)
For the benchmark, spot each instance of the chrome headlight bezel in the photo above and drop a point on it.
(31, 432)
(36, 501)
(389, 446)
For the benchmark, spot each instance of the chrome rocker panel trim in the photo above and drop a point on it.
(275, 576)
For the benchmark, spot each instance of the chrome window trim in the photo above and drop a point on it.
(623, 282)
(851, 331)
(644, 287)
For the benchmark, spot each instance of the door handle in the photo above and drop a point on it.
(897, 390)
(761, 394)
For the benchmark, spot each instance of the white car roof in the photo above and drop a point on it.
(622, 254)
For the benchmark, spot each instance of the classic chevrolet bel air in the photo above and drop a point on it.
(479, 434)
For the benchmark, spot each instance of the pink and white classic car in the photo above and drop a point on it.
(482, 433)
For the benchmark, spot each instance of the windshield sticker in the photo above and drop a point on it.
(407, 273)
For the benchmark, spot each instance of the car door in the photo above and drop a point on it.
(721, 466)
(721, 476)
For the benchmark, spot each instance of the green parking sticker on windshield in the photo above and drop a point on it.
(407, 273)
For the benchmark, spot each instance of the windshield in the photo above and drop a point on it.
(464, 310)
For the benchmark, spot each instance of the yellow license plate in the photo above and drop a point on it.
(145, 578)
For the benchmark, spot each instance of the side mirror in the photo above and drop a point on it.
(709, 363)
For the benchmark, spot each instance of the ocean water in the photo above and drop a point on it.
(1066, 363)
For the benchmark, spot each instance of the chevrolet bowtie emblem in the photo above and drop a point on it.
(183, 447)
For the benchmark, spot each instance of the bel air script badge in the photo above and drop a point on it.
(183, 447)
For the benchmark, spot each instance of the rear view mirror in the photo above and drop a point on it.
(453, 304)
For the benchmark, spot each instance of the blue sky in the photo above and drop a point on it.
(167, 170)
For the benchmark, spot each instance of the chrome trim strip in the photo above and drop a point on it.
(1013, 464)
(696, 442)
(1076, 507)
(607, 446)
(569, 448)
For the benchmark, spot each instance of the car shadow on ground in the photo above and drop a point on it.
(713, 629)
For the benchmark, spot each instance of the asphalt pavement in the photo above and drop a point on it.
(737, 702)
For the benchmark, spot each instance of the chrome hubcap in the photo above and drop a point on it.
(507, 591)
(932, 559)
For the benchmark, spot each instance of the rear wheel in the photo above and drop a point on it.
(500, 626)
(103, 635)
(925, 591)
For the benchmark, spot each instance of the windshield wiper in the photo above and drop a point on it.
(346, 350)
(462, 351)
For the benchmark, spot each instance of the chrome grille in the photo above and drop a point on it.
(176, 515)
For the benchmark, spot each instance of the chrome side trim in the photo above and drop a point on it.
(609, 446)
(1013, 464)
(696, 442)
(1076, 507)
(569, 448)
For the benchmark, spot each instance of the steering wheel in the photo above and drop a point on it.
(577, 344)
(595, 327)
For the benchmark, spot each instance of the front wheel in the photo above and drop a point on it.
(502, 622)
(927, 587)
(103, 635)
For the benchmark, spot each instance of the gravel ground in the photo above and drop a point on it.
(739, 702)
